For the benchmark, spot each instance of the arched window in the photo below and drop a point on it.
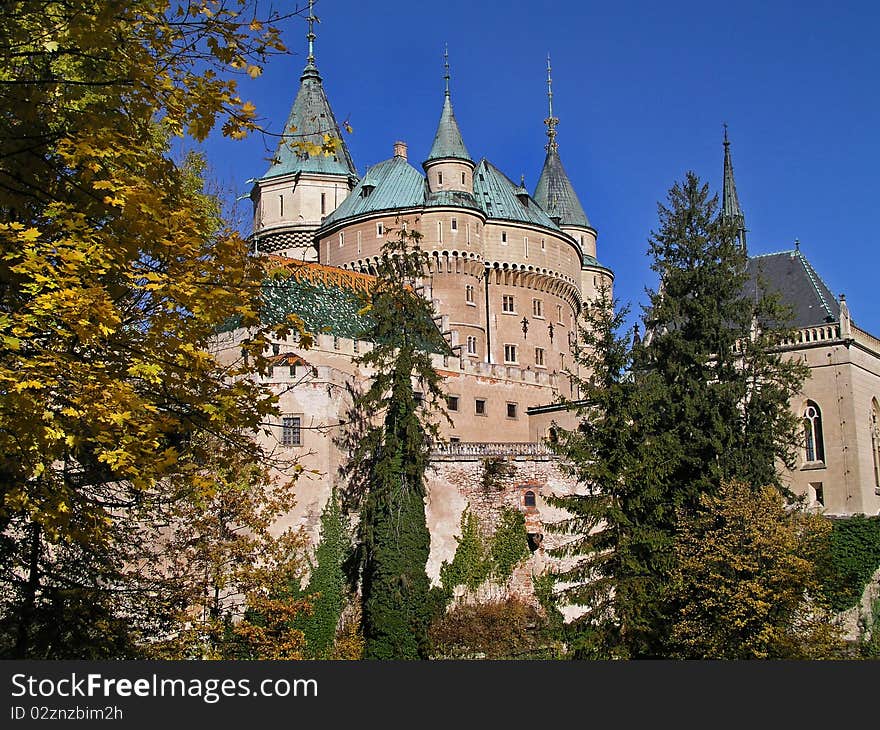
(875, 440)
(529, 499)
(814, 446)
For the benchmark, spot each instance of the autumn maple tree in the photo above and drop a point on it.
(116, 271)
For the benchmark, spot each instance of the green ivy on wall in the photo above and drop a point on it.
(853, 558)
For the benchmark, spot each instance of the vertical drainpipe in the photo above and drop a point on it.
(488, 334)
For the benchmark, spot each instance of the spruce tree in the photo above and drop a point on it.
(389, 445)
(704, 398)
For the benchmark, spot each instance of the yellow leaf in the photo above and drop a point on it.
(254, 71)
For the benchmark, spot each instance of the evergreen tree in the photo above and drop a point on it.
(703, 399)
(389, 443)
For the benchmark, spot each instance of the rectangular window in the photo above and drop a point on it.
(439, 178)
(538, 308)
(455, 224)
(359, 242)
(510, 353)
(471, 345)
(463, 179)
(452, 402)
(559, 314)
(507, 304)
(293, 371)
(281, 204)
(526, 246)
(341, 239)
(480, 407)
(539, 356)
(511, 410)
(291, 431)
(562, 361)
(380, 230)
(323, 203)
(440, 231)
(467, 232)
(504, 237)
(469, 294)
(543, 245)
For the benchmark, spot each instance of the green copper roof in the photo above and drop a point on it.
(448, 141)
(496, 195)
(555, 193)
(451, 198)
(387, 185)
(311, 117)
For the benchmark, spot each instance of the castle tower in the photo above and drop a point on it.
(555, 194)
(448, 165)
(300, 189)
(730, 208)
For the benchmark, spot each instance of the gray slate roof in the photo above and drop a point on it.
(789, 274)
(555, 193)
(448, 141)
(312, 118)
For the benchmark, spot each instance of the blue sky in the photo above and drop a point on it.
(641, 89)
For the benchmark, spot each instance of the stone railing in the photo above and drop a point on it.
(480, 449)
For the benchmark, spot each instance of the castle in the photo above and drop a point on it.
(509, 273)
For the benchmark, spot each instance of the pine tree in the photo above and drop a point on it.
(704, 398)
(389, 444)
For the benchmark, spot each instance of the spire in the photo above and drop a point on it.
(310, 119)
(550, 121)
(730, 209)
(554, 191)
(448, 141)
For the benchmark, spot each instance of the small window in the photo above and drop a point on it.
(462, 179)
(291, 431)
(510, 353)
(526, 246)
(440, 231)
(471, 345)
(418, 397)
(341, 239)
(539, 356)
(440, 178)
(480, 407)
(380, 230)
(503, 236)
(293, 371)
(511, 410)
(538, 307)
(818, 493)
(467, 229)
(543, 245)
(507, 303)
(559, 314)
(562, 361)
(359, 242)
(281, 204)
(529, 499)
(469, 294)
(323, 203)
(454, 224)
(452, 402)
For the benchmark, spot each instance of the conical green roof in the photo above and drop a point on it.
(448, 141)
(310, 119)
(555, 193)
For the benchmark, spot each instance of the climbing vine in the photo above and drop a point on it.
(853, 558)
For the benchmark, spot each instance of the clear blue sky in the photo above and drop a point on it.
(642, 89)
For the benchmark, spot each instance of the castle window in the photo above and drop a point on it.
(510, 353)
(341, 239)
(559, 314)
(480, 407)
(293, 371)
(469, 294)
(452, 402)
(875, 441)
(511, 410)
(454, 224)
(562, 361)
(323, 203)
(467, 229)
(440, 231)
(359, 241)
(291, 431)
(814, 447)
(281, 205)
(462, 179)
(539, 356)
(817, 493)
(543, 245)
(507, 304)
(504, 237)
(526, 246)
(471, 345)
(529, 499)
(538, 308)
(439, 178)
(380, 230)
